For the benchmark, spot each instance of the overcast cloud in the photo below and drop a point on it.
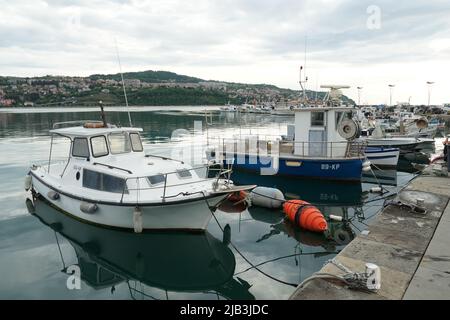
(255, 41)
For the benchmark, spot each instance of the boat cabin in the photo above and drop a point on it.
(317, 131)
(92, 143)
(100, 158)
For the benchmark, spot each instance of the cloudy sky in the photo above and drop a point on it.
(358, 43)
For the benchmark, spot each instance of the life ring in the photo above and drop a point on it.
(93, 125)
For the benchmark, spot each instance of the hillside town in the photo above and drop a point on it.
(60, 90)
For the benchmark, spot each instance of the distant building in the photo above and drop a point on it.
(134, 83)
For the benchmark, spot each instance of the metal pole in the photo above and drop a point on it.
(165, 184)
(50, 155)
(359, 95)
(391, 87)
(123, 83)
(429, 83)
(102, 113)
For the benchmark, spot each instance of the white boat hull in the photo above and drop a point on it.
(383, 157)
(188, 215)
(401, 143)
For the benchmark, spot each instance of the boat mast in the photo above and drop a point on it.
(123, 83)
(301, 81)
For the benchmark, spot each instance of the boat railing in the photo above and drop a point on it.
(218, 173)
(282, 147)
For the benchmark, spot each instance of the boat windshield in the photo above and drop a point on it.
(119, 143)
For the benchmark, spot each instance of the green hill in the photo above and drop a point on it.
(149, 76)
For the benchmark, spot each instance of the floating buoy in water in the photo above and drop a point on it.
(137, 220)
(366, 166)
(305, 215)
(267, 197)
(28, 182)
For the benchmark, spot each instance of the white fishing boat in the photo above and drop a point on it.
(381, 156)
(381, 140)
(108, 180)
(404, 143)
(229, 108)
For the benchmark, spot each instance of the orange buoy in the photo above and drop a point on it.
(237, 196)
(305, 215)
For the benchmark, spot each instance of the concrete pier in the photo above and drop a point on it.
(411, 249)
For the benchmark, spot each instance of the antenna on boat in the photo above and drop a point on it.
(123, 83)
(301, 81)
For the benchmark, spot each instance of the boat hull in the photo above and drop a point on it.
(386, 157)
(187, 215)
(403, 145)
(330, 169)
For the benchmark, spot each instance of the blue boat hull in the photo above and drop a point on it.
(331, 169)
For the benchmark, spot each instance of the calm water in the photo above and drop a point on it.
(267, 257)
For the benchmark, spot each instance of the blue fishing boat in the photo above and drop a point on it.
(321, 144)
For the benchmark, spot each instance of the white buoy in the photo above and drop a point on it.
(137, 220)
(376, 190)
(27, 182)
(88, 208)
(336, 218)
(267, 197)
(366, 166)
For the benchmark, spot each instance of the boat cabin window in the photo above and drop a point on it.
(184, 174)
(102, 182)
(119, 143)
(156, 179)
(136, 142)
(317, 119)
(99, 146)
(80, 148)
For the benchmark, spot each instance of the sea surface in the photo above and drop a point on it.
(259, 256)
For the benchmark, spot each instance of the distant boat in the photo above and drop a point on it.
(381, 156)
(229, 108)
(380, 140)
(403, 143)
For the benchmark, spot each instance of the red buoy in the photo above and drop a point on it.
(305, 215)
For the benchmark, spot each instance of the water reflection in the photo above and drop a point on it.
(311, 190)
(339, 233)
(172, 262)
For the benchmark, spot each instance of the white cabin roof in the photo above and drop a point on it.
(88, 132)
